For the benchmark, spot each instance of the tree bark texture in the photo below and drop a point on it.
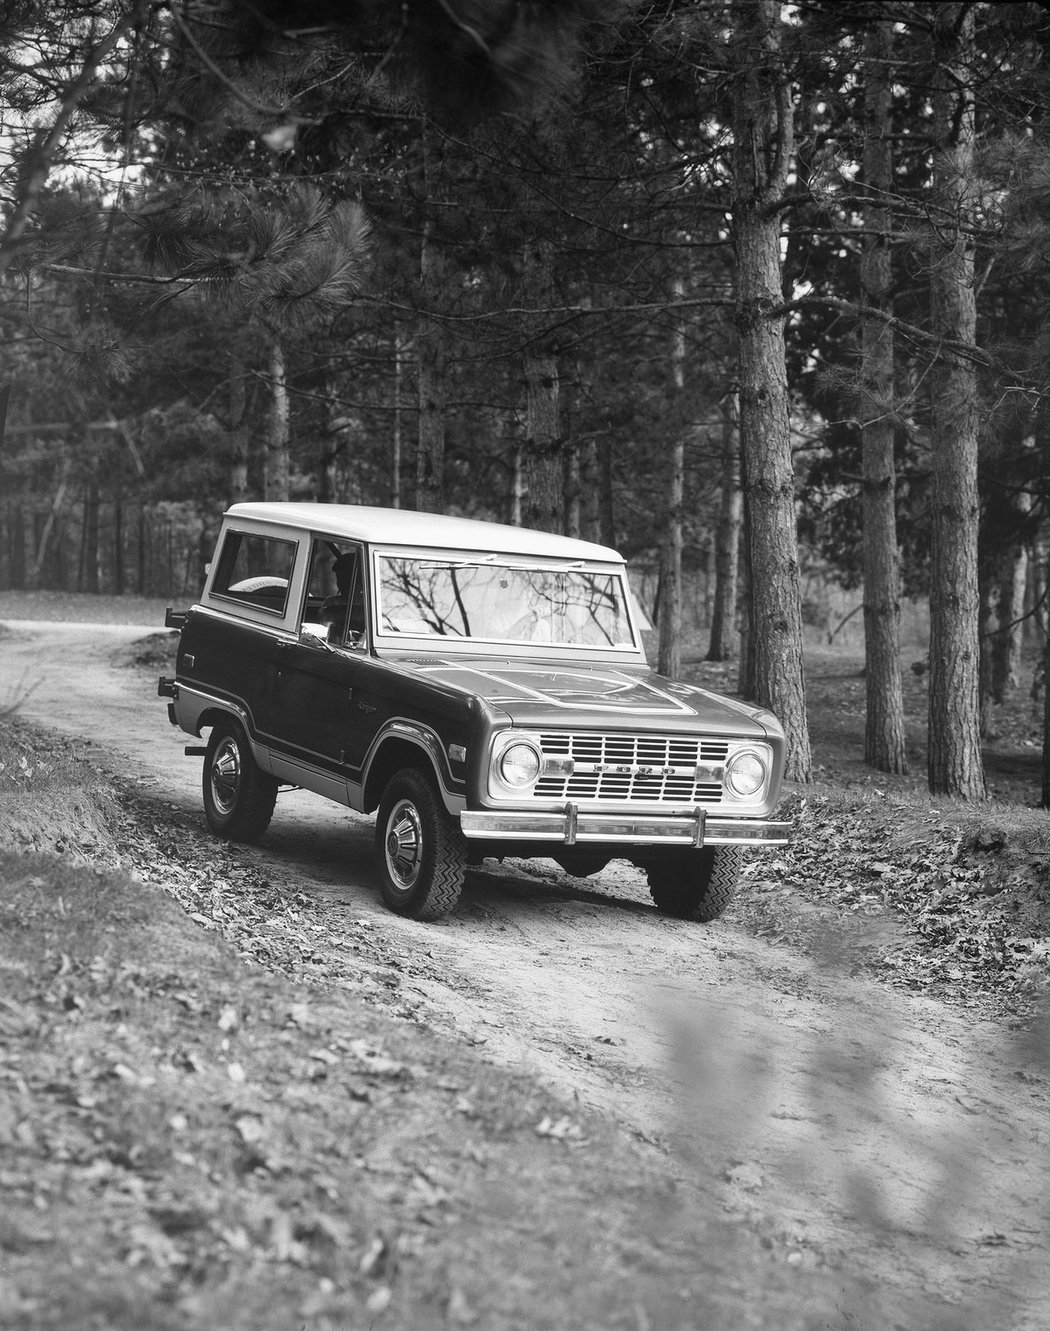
(955, 765)
(89, 580)
(669, 657)
(543, 441)
(589, 500)
(1006, 646)
(333, 442)
(606, 502)
(762, 133)
(573, 507)
(431, 340)
(1011, 574)
(727, 539)
(276, 481)
(238, 430)
(35, 572)
(1045, 802)
(884, 736)
(396, 443)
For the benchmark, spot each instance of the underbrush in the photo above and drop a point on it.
(52, 798)
(961, 892)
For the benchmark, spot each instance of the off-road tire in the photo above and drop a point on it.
(238, 796)
(420, 850)
(695, 884)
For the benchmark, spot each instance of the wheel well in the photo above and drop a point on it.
(392, 756)
(214, 715)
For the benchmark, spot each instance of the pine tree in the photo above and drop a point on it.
(955, 765)
(762, 132)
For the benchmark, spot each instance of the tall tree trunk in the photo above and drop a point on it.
(884, 737)
(432, 338)
(589, 490)
(727, 539)
(30, 546)
(669, 660)
(987, 628)
(1038, 622)
(745, 675)
(35, 573)
(328, 488)
(397, 442)
(118, 547)
(1012, 573)
(954, 763)
(1006, 646)
(606, 506)
(517, 484)
(276, 480)
(573, 510)
(1045, 801)
(143, 538)
(27, 514)
(762, 134)
(89, 558)
(237, 482)
(543, 441)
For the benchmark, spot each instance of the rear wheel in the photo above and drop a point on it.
(420, 850)
(695, 884)
(238, 796)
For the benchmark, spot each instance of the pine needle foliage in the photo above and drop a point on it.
(291, 260)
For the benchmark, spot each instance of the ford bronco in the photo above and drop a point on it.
(483, 687)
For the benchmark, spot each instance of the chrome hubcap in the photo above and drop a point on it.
(404, 844)
(225, 775)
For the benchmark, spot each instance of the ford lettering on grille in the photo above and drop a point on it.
(656, 769)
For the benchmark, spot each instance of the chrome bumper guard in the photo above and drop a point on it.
(570, 826)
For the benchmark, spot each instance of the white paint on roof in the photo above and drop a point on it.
(400, 526)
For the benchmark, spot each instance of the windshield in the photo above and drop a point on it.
(492, 602)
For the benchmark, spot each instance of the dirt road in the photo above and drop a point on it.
(856, 1129)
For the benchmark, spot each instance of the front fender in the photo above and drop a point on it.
(406, 743)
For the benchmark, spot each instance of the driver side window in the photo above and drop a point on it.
(335, 594)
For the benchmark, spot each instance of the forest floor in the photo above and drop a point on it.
(236, 1093)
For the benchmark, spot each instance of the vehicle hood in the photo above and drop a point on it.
(567, 694)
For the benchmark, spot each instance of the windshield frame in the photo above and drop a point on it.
(443, 645)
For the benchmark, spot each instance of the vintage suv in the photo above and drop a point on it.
(483, 686)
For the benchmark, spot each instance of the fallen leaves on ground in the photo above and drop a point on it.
(965, 931)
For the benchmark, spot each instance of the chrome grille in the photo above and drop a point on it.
(619, 768)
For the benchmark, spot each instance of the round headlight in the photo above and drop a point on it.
(745, 774)
(519, 765)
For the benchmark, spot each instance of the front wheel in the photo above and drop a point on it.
(420, 850)
(695, 884)
(238, 796)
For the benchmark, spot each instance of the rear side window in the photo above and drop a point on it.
(255, 570)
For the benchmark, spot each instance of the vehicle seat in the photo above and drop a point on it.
(334, 612)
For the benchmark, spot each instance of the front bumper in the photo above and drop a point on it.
(570, 826)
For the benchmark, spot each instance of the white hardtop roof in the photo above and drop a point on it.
(401, 526)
